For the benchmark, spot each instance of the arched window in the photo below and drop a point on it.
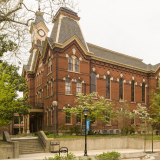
(132, 91)
(70, 63)
(143, 92)
(79, 87)
(93, 82)
(49, 65)
(120, 88)
(68, 86)
(78, 118)
(108, 87)
(157, 82)
(68, 117)
(76, 65)
(38, 42)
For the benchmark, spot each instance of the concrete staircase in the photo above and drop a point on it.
(29, 146)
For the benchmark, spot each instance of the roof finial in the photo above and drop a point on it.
(39, 5)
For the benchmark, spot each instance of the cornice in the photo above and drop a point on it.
(137, 59)
(121, 64)
(66, 15)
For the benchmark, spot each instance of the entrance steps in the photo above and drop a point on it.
(29, 145)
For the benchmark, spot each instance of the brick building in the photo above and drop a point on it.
(64, 64)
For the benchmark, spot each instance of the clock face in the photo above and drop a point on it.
(41, 32)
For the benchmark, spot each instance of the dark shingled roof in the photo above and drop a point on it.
(50, 40)
(68, 29)
(118, 58)
(54, 31)
(39, 18)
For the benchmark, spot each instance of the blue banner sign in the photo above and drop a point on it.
(87, 125)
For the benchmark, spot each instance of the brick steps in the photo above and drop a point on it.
(29, 146)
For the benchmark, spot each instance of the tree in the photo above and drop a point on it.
(6, 45)
(155, 106)
(10, 103)
(16, 17)
(124, 114)
(98, 108)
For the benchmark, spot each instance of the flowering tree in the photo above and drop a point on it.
(98, 108)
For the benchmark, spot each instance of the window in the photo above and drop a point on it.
(143, 92)
(37, 80)
(108, 87)
(157, 82)
(78, 118)
(93, 82)
(68, 86)
(49, 65)
(47, 90)
(76, 65)
(79, 87)
(70, 63)
(68, 119)
(132, 120)
(38, 42)
(132, 91)
(16, 119)
(51, 87)
(120, 88)
(108, 118)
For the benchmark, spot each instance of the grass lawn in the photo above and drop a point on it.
(148, 137)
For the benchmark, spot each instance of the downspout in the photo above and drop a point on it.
(57, 90)
(148, 91)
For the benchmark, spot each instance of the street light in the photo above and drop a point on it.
(55, 104)
(152, 137)
(85, 111)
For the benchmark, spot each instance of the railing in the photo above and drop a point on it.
(40, 136)
(1, 135)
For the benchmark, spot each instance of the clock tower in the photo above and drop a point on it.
(38, 30)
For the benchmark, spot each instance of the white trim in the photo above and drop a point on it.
(83, 36)
(59, 26)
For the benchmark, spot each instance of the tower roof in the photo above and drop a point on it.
(39, 18)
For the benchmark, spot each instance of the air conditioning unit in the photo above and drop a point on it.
(116, 131)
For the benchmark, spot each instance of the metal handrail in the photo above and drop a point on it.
(39, 134)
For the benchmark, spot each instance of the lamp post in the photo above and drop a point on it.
(152, 137)
(85, 111)
(55, 104)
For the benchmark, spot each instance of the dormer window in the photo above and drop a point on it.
(73, 64)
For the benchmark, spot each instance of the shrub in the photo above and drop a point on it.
(108, 156)
(76, 130)
(46, 132)
(132, 129)
(35, 134)
(90, 132)
(70, 156)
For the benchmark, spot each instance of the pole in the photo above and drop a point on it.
(152, 139)
(54, 121)
(85, 151)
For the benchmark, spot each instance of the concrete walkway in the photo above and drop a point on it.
(129, 154)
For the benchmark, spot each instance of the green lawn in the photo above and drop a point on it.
(148, 137)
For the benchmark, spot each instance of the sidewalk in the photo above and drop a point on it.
(129, 154)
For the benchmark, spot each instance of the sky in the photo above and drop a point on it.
(131, 27)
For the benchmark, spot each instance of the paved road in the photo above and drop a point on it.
(157, 157)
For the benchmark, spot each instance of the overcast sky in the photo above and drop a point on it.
(131, 27)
